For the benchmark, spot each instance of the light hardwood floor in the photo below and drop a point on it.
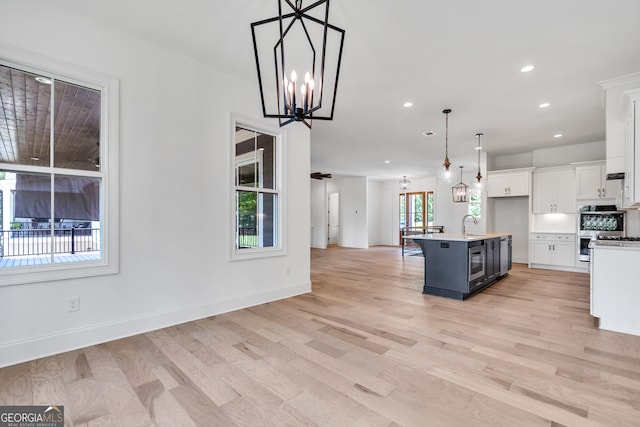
(365, 348)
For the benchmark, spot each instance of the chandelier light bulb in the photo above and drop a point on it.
(294, 76)
(307, 77)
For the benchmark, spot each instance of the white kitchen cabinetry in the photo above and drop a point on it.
(552, 249)
(631, 189)
(554, 191)
(508, 183)
(615, 292)
(592, 183)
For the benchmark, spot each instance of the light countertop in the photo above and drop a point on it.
(469, 237)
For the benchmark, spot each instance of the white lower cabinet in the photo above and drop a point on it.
(615, 293)
(553, 249)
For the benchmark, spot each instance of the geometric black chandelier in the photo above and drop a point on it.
(298, 52)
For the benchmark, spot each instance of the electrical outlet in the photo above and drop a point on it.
(73, 304)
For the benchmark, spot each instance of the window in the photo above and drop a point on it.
(56, 151)
(475, 202)
(257, 193)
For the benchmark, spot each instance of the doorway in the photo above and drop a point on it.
(416, 212)
(334, 218)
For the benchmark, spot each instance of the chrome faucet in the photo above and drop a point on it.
(475, 221)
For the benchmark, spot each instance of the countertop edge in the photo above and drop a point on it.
(457, 236)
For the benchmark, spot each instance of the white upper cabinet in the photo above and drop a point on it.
(592, 183)
(631, 190)
(508, 183)
(622, 100)
(554, 191)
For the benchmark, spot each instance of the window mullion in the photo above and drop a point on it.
(51, 163)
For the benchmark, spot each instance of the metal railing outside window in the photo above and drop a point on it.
(19, 242)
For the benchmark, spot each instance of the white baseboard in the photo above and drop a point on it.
(21, 351)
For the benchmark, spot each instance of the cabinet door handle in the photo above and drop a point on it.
(604, 193)
(599, 192)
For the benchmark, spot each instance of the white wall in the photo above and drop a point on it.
(450, 214)
(319, 220)
(562, 156)
(549, 157)
(175, 123)
(354, 228)
(374, 206)
(511, 215)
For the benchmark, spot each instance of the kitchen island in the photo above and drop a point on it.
(460, 265)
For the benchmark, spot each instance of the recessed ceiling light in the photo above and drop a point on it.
(478, 148)
(428, 133)
(527, 68)
(557, 135)
(544, 105)
(387, 161)
(43, 80)
(408, 104)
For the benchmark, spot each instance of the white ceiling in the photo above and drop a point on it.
(465, 55)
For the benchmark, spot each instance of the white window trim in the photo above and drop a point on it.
(280, 156)
(109, 155)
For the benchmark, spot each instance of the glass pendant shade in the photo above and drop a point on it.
(404, 184)
(460, 191)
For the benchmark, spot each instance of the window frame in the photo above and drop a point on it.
(279, 190)
(477, 203)
(109, 154)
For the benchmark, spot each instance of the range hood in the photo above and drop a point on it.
(615, 176)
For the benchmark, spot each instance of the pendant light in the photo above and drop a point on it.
(404, 184)
(446, 163)
(479, 147)
(460, 191)
(301, 38)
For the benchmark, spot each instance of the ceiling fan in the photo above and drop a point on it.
(319, 175)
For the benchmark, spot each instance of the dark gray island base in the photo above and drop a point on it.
(457, 266)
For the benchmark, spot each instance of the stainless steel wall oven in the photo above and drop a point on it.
(598, 220)
(476, 261)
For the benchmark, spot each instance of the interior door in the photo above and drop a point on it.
(334, 218)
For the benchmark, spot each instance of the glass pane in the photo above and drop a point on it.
(24, 117)
(256, 220)
(77, 215)
(266, 145)
(403, 212)
(77, 198)
(247, 225)
(26, 226)
(246, 175)
(475, 203)
(77, 127)
(429, 208)
(255, 159)
(415, 207)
